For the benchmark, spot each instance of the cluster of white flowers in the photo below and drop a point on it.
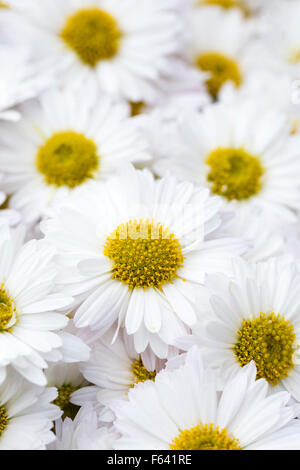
(149, 224)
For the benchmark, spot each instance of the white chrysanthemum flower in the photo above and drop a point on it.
(254, 316)
(184, 410)
(64, 142)
(223, 45)
(114, 368)
(123, 47)
(141, 246)
(29, 309)
(61, 143)
(67, 378)
(18, 81)
(75, 343)
(274, 91)
(84, 433)
(247, 222)
(155, 120)
(243, 152)
(185, 89)
(283, 35)
(26, 415)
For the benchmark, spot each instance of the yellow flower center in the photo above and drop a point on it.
(268, 340)
(205, 437)
(295, 126)
(3, 420)
(67, 159)
(234, 173)
(140, 372)
(221, 68)
(144, 254)
(5, 204)
(93, 34)
(7, 309)
(293, 56)
(226, 4)
(63, 401)
(137, 108)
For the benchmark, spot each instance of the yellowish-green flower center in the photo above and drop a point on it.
(67, 159)
(3, 5)
(294, 56)
(268, 340)
(234, 173)
(140, 372)
(93, 34)
(63, 401)
(7, 309)
(144, 254)
(222, 69)
(3, 420)
(205, 437)
(294, 126)
(227, 4)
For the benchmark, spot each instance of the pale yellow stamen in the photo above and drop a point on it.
(7, 309)
(205, 437)
(227, 4)
(93, 34)
(221, 68)
(295, 126)
(268, 340)
(294, 56)
(63, 401)
(144, 254)
(3, 420)
(140, 372)
(67, 159)
(234, 173)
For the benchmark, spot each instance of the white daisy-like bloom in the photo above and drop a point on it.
(66, 378)
(156, 123)
(32, 312)
(124, 48)
(244, 152)
(283, 36)
(84, 433)
(155, 120)
(223, 44)
(186, 88)
(255, 315)
(114, 368)
(75, 343)
(184, 410)
(26, 415)
(140, 247)
(18, 81)
(274, 91)
(62, 142)
(247, 221)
